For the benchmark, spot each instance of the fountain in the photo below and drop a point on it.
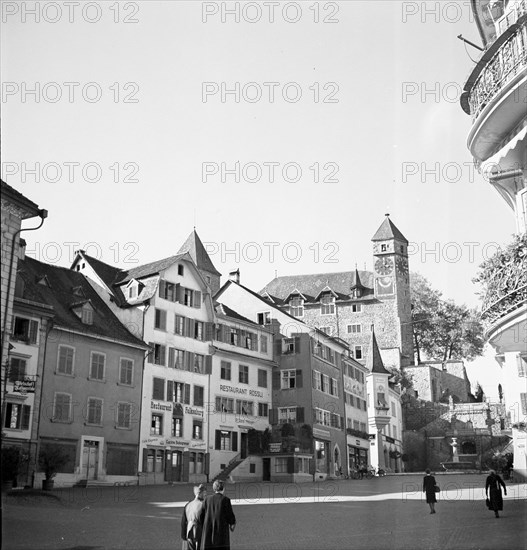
(455, 463)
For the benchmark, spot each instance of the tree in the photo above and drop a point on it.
(442, 329)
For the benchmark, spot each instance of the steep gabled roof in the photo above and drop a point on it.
(388, 231)
(374, 360)
(222, 309)
(356, 280)
(195, 248)
(146, 270)
(311, 285)
(61, 296)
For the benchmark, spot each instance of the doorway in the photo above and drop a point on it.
(266, 475)
(90, 458)
(244, 445)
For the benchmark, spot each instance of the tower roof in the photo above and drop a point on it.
(195, 248)
(388, 231)
(357, 282)
(374, 359)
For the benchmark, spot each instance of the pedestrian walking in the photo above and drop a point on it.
(192, 520)
(219, 520)
(429, 488)
(493, 487)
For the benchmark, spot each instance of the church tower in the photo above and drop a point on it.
(391, 281)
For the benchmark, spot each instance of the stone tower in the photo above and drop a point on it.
(391, 282)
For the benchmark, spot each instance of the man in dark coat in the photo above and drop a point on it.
(219, 520)
(494, 484)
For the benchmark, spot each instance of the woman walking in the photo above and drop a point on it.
(429, 488)
(495, 483)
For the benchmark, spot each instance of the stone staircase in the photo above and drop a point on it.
(226, 472)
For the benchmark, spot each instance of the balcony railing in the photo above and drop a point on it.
(504, 280)
(508, 61)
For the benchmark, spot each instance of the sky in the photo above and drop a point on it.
(282, 131)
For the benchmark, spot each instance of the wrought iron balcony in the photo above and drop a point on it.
(504, 280)
(506, 58)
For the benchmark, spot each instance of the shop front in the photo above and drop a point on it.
(357, 454)
(174, 460)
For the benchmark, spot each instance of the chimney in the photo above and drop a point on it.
(21, 249)
(235, 276)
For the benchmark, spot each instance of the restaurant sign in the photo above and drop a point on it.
(24, 386)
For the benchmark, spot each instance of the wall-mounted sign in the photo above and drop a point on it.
(24, 386)
(323, 433)
(194, 411)
(275, 447)
(160, 406)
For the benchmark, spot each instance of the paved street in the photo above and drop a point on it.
(366, 514)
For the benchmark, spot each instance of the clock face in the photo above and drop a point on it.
(402, 265)
(384, 266)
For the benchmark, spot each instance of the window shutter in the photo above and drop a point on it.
(187, 394)
(224, 332)
(190, 361)
(162, 355)
(217, 443)
(161, 288)
(26, 411)
(185, 466)
(234, 441)
(197, 299)
(171, 357)
(297, 344)
(290, 464)
(277, 346)
(33, 331)
(208, 364)
(254, 342)
(151, 353)
(273, 416)
(170, 389)
(209, 331)
(145, 460)
(178, 293)
(190, 327)
(300, 414)
(298, 378)
(276, 379)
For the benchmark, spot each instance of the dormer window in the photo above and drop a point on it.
(356, 293)
(132, 292)
(84, 312)
(327, 304)
(87, 316)
(78, 291)
(296, 305)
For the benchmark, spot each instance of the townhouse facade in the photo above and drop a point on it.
(309, 416)
(494, 95)
(240, 396)
(88, 381)
(169, 303)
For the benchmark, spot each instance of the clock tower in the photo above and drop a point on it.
(391, 283)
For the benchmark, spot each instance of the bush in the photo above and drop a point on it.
(51, 459)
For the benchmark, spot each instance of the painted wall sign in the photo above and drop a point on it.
(194, 411)
(324, 433)
(275, 447)
(24, 386)
(233, 389)
(160, 406)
